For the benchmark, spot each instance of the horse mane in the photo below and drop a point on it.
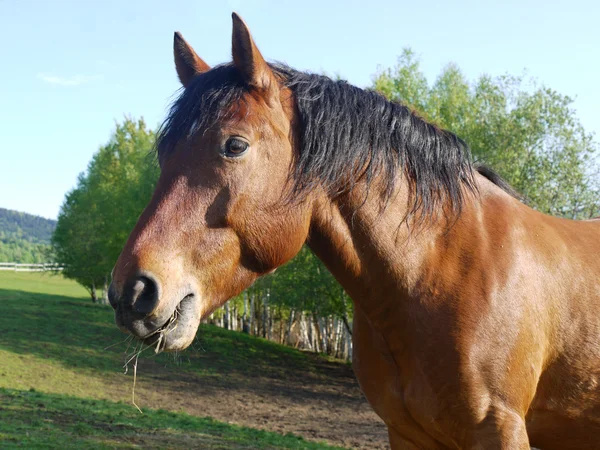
(346, 134)
(496, 179)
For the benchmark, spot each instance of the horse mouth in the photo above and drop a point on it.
(175, 333)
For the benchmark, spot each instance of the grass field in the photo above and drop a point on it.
(61, 387)
(30, 419)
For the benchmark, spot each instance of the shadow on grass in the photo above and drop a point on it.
(71, 331)
(36, 420)
(76, 333)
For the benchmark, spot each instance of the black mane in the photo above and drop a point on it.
(346, 133)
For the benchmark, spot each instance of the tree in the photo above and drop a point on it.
(526, 131)
(98, 215)
(302, 292)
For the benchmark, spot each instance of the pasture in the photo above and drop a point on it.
(60, 386)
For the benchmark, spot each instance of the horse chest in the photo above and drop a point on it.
(393, 399)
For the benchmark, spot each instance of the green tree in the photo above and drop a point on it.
(98, 215)
(526, 131)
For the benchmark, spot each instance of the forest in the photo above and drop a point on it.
(24, 238)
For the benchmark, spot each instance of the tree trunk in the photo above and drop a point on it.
(234, 318)
(245, 327)
(226, 316)
(280, 315)
(348, 350)
(270, 319)
(93, 293)
(252, 321)
(345, 312)
(265, 316)
(347, 324)
(318, 337)
(286, 338)
(339, 341)
(105, 292)
(306, 331)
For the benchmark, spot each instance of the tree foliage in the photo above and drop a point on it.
(98, 215)
(306, 285)
(15, 249)
(529, 133)
(24, 238)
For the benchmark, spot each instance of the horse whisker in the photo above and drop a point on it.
(128, 338)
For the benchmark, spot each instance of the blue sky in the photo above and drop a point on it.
(70, 69)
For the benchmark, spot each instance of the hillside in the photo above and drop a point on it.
(65, 382)
(24, 238)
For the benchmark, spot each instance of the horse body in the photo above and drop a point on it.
(477, 319)
(484, 324)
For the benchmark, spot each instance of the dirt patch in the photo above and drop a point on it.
(321, 402)
(76, 350)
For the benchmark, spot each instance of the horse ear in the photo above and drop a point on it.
(247, 58)
(187, 62)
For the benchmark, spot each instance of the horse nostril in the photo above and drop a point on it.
(144, 295)
(112, 296)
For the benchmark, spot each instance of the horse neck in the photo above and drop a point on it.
(379, 259)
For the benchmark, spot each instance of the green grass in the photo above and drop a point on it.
(61, 387)
(70, 332)
(30, 419)
(41, 283)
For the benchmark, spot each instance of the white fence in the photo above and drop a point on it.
(45, 267)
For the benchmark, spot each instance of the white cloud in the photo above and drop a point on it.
(75, 80)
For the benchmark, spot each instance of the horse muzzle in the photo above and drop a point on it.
(142, 310)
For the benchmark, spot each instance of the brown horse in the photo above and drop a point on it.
(477, 319)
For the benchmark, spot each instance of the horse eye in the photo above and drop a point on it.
(235, 147)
